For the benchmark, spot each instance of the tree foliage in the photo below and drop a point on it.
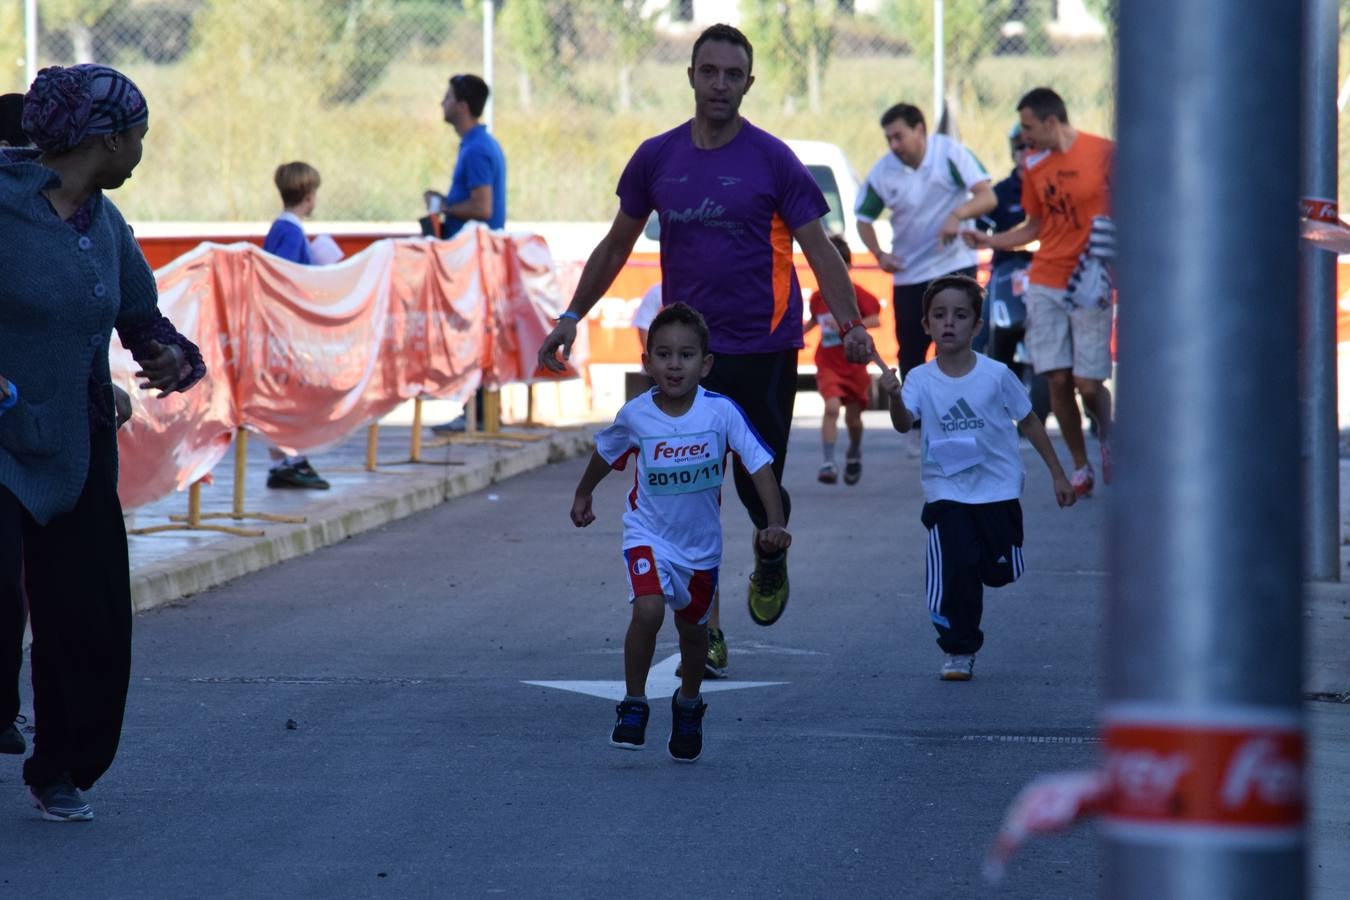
(972, 30)
(792, 39)
(345, 46)
(77, 18)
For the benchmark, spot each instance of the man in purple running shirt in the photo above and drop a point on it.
(731, 199)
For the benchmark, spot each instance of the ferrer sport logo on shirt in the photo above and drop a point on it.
(682, 463)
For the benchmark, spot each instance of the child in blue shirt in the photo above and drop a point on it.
(298, 183)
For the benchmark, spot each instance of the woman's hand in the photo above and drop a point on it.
(164, 369)
(121, 405)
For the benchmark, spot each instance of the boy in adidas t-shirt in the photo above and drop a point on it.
(971, 470)
(672, 523)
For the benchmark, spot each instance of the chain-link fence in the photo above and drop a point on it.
(354, 86)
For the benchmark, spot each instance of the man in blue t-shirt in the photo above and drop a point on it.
(478, 185)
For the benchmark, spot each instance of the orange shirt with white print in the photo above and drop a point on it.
(1064, 190)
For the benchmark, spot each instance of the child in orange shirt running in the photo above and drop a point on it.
(839, 381)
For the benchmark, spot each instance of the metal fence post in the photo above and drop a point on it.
(1203, 731)
(1317, 295)
(489, 72)
(30, 41)
(939, 64)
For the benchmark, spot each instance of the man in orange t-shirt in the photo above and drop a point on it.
(1066, 186)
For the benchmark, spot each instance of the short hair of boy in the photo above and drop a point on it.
(296, 181)
(963, 283)
(472, 90)
(728, 35)
(912, 115)
(11, 117)
(842, 246)
(680, 314)
(1043, 104)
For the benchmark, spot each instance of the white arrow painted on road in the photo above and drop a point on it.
(661, 681)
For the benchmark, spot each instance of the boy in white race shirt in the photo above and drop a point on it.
(971, 467)
(672, 542)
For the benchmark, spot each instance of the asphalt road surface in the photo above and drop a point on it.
(358, 722)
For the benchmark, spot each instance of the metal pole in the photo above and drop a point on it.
(489, 15)
(30, 41)
(939, 63)
(1317, 282)
(1203, 730)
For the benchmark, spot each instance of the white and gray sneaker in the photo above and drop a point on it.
(958, 667)
(60, 801)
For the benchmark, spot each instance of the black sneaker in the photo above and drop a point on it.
(686, 730)
(60, 801)
(630, 731)
(299, 476)
(11, 738)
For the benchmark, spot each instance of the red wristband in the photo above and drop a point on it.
(849, 326)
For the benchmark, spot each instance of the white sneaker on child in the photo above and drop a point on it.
(958, 667)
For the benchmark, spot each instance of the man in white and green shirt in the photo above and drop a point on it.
(931, 184)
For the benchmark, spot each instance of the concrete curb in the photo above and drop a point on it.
(358, 510)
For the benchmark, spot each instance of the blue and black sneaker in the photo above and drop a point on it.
(686, 729)
(630, 730)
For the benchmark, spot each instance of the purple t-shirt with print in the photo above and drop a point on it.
(727, 217)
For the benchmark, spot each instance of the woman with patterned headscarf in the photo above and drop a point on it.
(73, 272)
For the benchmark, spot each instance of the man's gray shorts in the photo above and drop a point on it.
(1060, 336)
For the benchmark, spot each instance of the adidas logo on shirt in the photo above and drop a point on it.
(961, 418)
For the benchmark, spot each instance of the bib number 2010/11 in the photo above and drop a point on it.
(685, 479)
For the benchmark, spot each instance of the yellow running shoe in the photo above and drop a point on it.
(768, 594)
(716, 666)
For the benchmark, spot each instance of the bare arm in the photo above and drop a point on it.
(478, 206)
(1035, 431)
(1011, 239)
(773, 536)
(595, 472)
(836, 287)
(982, 200)
(601, 268)
(888, 262)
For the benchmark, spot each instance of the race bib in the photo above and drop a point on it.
(955, 454)
(682, 463)
(829, 331)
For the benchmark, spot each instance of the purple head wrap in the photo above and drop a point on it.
(66, 105)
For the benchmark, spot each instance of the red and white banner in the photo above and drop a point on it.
(304, 355)
(1228, 775)
(1221, 776)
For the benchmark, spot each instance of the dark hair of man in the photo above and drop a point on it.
(963, 283)
(842, 246)
(679, 314)
(11, 115)
(726, 34)
(912, 115)
(1043, 104)
(472, 90)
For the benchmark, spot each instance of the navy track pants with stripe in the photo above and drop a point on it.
(970, 546)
